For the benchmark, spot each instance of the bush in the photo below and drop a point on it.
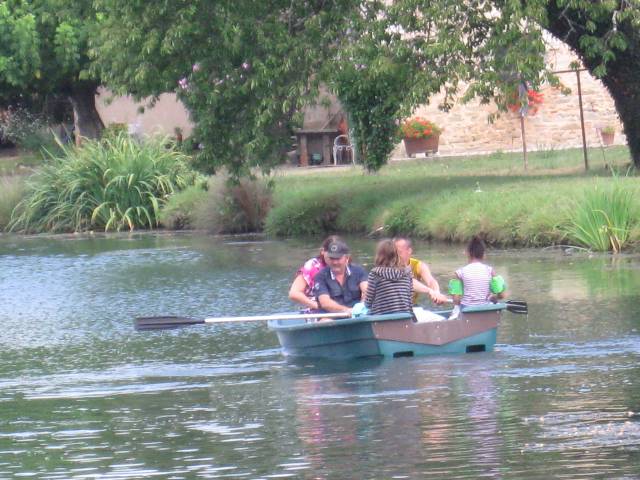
(179, 212)
(111, 185)
(11, 192)
(310, 214)
(235, 208)
(26, 130)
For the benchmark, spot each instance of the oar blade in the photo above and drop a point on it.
(164, 323)
(518, 307)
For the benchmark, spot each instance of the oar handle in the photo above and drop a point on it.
(286, 316)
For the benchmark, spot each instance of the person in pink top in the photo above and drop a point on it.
(302, 286)
(476, 283)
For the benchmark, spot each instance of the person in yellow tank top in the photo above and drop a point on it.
(423, 281)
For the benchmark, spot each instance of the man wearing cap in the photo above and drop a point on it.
(340, 285)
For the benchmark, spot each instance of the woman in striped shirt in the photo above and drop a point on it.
(389, 286)
(476, 278)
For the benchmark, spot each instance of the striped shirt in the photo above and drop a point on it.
(389, 290)
(476, 283)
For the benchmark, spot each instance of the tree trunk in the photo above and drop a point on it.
(87, 121)
(623, 72)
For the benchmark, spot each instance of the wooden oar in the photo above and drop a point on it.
(513, 306)
(517, 306)
(156, 323)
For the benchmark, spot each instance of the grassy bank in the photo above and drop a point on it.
(446, 199)
(452, 199)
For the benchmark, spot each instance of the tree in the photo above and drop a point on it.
(244, 69)
(43, 51)
(606, 36)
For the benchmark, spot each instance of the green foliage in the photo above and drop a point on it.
(114, 130)
(11, 192)
(602, 220)
(244, 68)
(311, 214)
(43, 51)
(26, 130)
(232, 207)
(179, 212)
(402, 219)
(373, 93)
(110, 185)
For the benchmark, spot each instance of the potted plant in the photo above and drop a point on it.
(607, 133)
(420, 136)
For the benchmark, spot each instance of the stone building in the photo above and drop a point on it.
(556, 125)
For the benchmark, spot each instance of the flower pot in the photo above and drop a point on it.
(607, 138)
(421, 145)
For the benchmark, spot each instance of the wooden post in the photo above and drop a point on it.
(584, 137)
(304, 153)
(524, 142)
(326, 149)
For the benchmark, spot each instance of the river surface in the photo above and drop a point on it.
(84, 396)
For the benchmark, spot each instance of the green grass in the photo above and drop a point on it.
(448, 199)
(11, 192)
(19, 163)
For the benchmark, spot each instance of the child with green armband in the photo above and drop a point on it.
(476, 283)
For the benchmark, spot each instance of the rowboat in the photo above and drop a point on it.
(392, 335)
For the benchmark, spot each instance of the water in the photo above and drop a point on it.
(84, 396)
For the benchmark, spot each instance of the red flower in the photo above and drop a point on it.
(418, 127)
(534, 100)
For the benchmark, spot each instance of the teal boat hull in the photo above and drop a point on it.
(390, 336)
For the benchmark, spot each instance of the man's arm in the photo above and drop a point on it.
(363, 289)
(427, 278)
(330, 305)
(429, 285)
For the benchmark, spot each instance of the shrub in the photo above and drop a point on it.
(180, 210)
(603, 219)
(111, 185)
(27, 130)
(310, 214)
(235, 208)
(11, 192)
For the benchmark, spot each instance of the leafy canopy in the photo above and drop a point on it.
(44, 44)
(244, 69)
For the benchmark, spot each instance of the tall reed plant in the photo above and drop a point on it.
(114, 184)
(604, 218)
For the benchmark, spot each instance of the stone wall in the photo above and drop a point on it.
(167, 114)
(556, 125)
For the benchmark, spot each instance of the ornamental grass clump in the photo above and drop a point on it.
(603, 220)
(114, 184)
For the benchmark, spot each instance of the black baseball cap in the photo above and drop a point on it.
(337, 249)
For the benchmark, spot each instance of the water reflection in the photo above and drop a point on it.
(82, 395)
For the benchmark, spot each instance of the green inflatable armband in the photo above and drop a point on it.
(497, 285)
(455, 286)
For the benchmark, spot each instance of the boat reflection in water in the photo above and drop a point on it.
(403, 411)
